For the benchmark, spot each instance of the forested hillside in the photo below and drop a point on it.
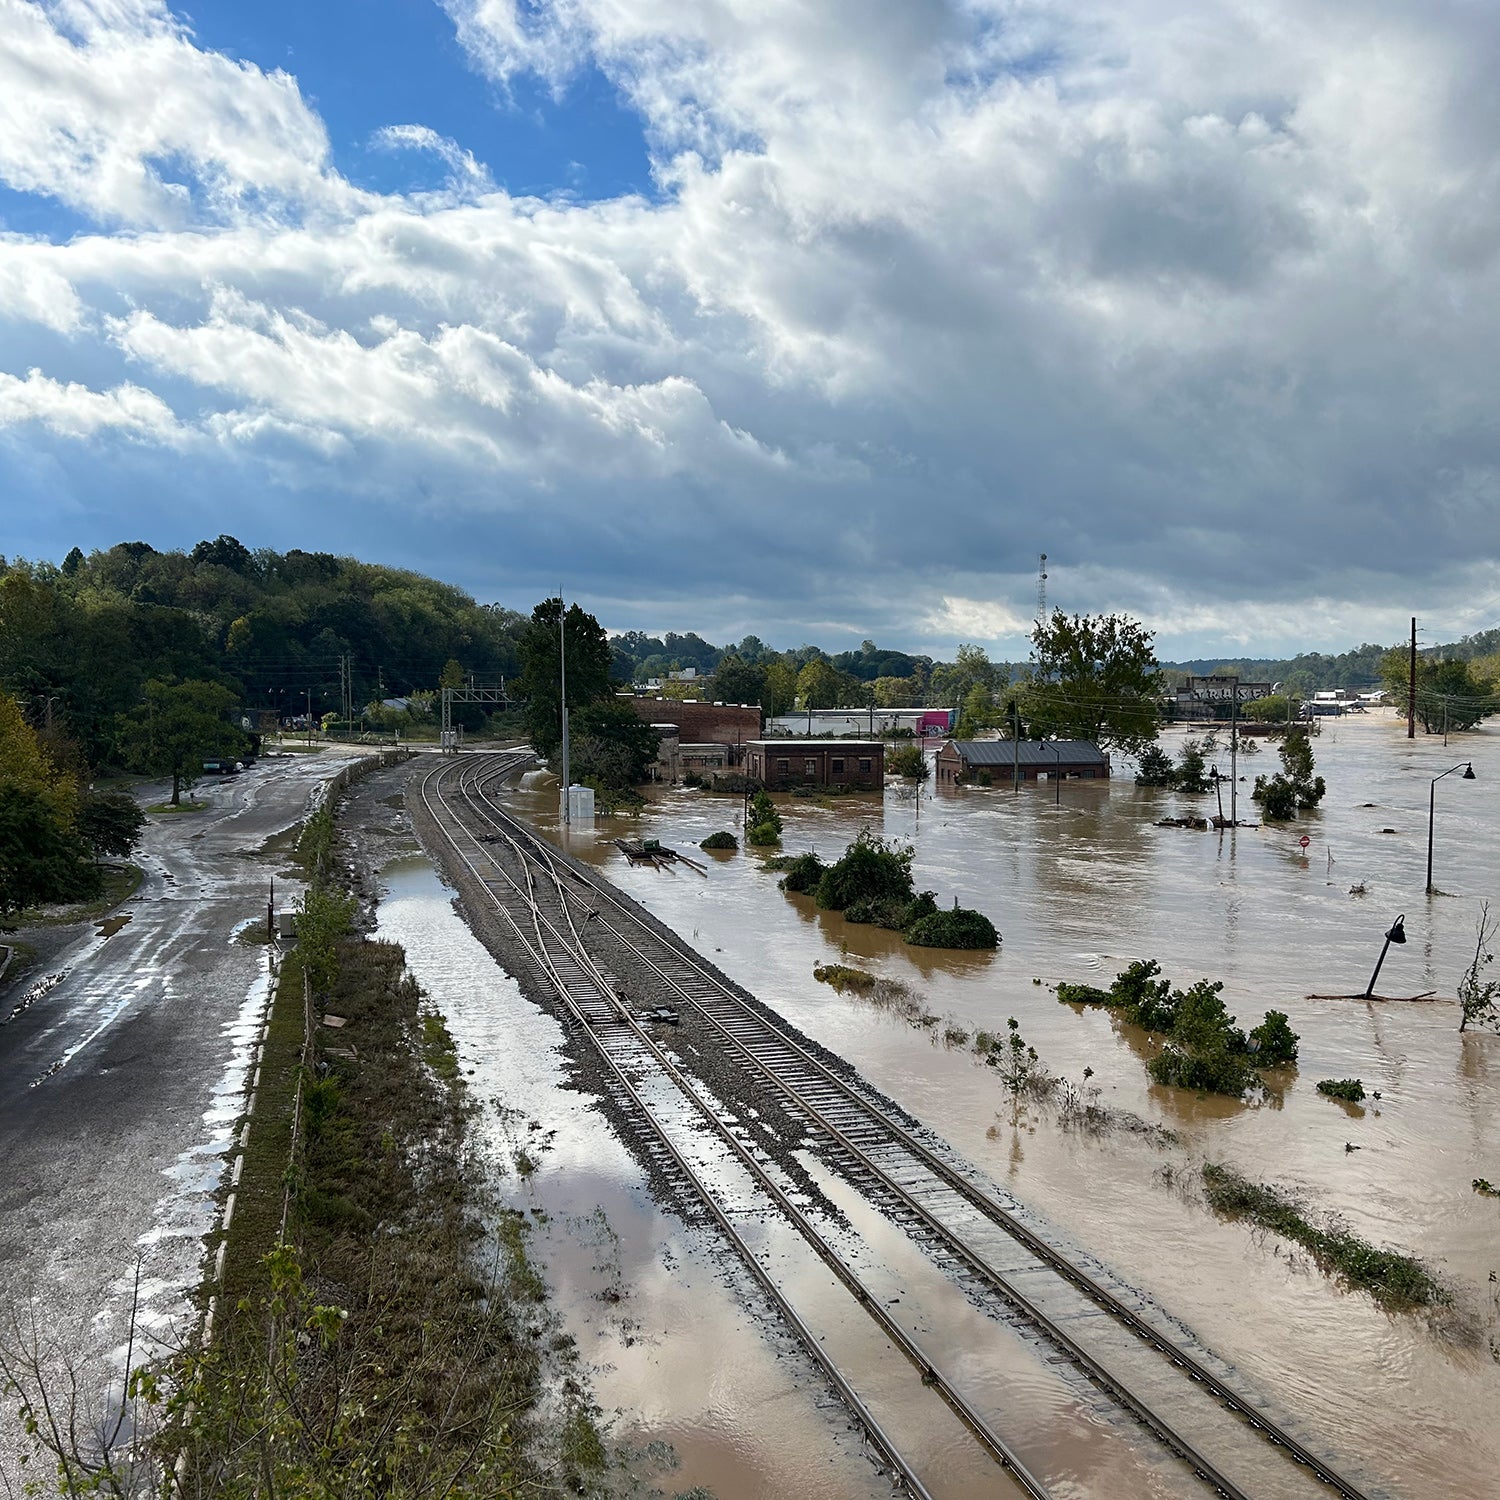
(79, 643)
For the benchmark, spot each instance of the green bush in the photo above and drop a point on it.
(1274, 1041)
(1277, 798)
(720, 840)
(959, 928)
(1350, 1090)
(1207, 1050)
(763, 822)
(803, 872)
(871, 869)
(1083, 994)
(1144, 998)
(1217, 1071)
(842, 977)
(892, 911)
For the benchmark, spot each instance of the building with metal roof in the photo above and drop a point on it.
(996, 761)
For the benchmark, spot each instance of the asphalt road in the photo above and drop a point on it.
(120, 1086)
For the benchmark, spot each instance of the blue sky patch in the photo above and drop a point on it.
(410, 70)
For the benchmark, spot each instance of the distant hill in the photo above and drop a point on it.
(78, 642)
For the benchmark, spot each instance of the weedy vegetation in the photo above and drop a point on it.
(1395, 1281)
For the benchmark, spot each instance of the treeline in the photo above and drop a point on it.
(79, 643)
(1311, 671)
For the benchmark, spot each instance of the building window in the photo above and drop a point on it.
(864, 764)
(781, 767)
(809, 767)
(838, 765)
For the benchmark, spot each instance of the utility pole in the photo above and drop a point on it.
(1015, 745)
(562, 679)
(1234, 754)
(1041, 590)
(1411, 688)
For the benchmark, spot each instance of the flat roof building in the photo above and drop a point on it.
(966, 761)
(780, 765)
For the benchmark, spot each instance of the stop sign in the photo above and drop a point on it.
(1304, 841)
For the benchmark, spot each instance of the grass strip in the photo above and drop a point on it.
(1395, 1281)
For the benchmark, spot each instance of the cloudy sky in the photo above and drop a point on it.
(813, 318)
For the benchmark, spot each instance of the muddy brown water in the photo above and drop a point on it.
(1078, 891)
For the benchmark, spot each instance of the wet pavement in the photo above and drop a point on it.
(119, 1085)
(1081, 889)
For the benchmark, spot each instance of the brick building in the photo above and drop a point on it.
(781, 764)
(960, 761)
(732, 724)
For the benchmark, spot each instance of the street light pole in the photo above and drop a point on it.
(562, 685)
(1396, 934)
(1467, 767)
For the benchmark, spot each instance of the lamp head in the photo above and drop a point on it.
(1397, 934)
(1469, 772)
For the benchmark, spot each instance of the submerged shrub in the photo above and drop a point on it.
(1083, 994)
(1206, 1049)
(1350, 1090)
(842, 977)
(959, 928)
(803, 872)
(1273, 1041)
(1395, 1281)
(870, 870)
(1213, 1071)
(720, 840)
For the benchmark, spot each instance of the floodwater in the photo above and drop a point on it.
(1078, 890)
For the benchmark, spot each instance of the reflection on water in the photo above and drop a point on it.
(1080, 890)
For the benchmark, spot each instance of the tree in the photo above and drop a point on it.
(1154, 768)
(737, 680)
(818, 686)
(42, 858)
(909, 762)
(1479, 995)
(979, 712)
(611, 743)
(762, 822)
(1451, 695)
(897, 692)
(452, 675)
(178, 727)
(588, 663)
(1294, 787)
(224, 552)
(110, 823)
(780, 694)
(1093, 677)
(952, 682)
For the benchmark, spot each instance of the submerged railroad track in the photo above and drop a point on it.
(563, 916)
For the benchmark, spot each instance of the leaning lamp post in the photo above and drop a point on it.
(1396, 934)
(1467, 767)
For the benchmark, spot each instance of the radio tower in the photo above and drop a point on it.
(1041, 591)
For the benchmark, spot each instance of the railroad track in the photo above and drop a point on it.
(1001, 1262)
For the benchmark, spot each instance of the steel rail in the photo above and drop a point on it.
(820, 1357)
(577, 954)
(1182, 1359)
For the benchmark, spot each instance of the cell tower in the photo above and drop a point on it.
(1041, 590)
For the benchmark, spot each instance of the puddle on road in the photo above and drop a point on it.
(672, 1353)
(1080, 890)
